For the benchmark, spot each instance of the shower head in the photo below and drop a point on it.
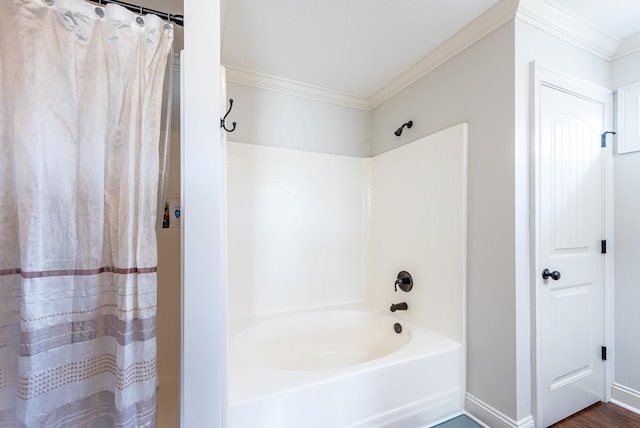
(399, 130)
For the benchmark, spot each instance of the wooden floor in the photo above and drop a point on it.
(601, 415)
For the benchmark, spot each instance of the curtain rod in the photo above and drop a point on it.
(177, 19)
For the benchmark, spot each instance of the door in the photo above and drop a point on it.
(570, 293)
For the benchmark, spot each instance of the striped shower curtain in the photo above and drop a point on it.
(80, 105)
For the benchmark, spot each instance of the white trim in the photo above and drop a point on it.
(628, 137)
(534, 125)
(542, 76)
(492, 417)
(626, 397)
(482, 26)
(567, 83)
(608, 261)
(562, 24)
(628, 46)
(534, 96)
(291, 87)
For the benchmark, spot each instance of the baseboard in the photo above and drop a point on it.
(625, 397)
(492, 417)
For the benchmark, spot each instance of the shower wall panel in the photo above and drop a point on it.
(419, 225)
(298, 227)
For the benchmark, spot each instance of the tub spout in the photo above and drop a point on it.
(399, 307)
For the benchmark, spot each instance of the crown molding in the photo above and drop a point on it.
(291, 87)
(491, 20)
(538, 13)
(486, 23)
(628, 46)
(560, 23)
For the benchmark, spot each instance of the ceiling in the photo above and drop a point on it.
(350, 46)
(358, 46)
(618, 18)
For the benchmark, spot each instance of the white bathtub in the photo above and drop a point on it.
(340, 368)
(320, 340)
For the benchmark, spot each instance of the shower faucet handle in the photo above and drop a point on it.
(404, 281)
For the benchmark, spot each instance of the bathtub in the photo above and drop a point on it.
(340, 368)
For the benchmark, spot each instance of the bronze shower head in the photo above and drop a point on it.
(399, 130)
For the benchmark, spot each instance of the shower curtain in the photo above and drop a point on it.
(80, 103)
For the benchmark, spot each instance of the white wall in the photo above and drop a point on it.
(203, 394)
(625, 71)
(276, 119)
(298, 226)
(419, 225)
(477, 87)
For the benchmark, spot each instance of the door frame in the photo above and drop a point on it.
(541, 76)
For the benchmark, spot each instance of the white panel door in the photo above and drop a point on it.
(571, 229)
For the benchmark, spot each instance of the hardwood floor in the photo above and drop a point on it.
(601, 415)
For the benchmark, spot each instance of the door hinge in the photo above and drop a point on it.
(603, 138)
(604, 353)
(603, 246)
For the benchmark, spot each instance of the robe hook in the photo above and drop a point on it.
(223, 124)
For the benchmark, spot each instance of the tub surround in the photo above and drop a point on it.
(419, 224)
(298, 227)
(310, 230)
(313, 232)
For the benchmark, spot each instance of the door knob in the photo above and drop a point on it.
(555, 275)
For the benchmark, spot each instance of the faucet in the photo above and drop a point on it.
(398, 307)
